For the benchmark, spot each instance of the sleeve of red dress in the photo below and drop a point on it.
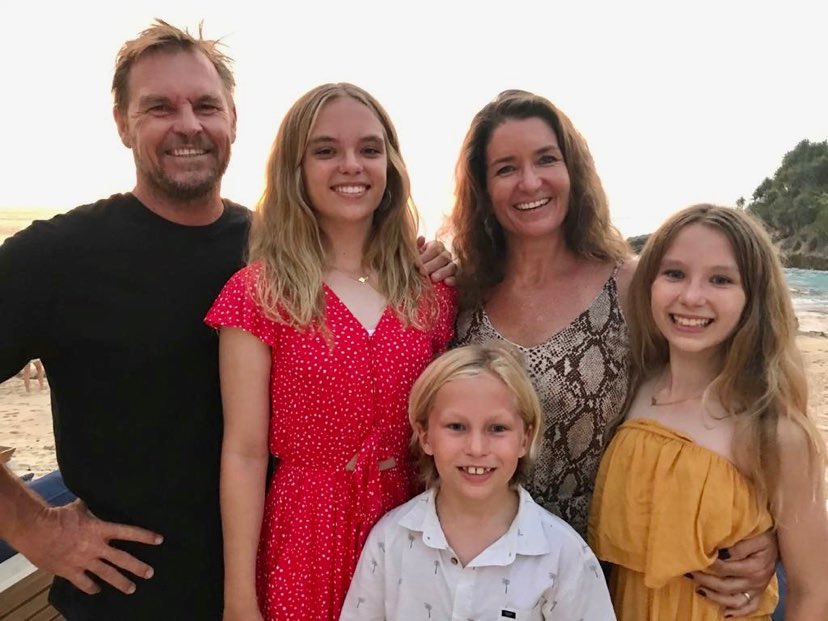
(236, 307)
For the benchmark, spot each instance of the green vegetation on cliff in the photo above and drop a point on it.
(794, 205)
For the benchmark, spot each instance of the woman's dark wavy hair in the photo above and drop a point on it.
(478, 239)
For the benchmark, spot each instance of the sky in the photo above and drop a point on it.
(680, 102)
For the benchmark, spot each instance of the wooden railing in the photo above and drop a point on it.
(24, 592)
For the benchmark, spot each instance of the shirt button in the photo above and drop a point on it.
(454, 561)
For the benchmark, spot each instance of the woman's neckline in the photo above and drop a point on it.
(604, 288)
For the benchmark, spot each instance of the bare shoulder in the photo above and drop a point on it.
(801, 517)
(625, 274)
(798, 450)
(623, 279)
(793, 439)
(639, 407)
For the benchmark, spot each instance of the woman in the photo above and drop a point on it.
(718, 410)
(322, 336)
(541, 266)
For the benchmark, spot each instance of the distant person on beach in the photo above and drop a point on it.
(111, 296)
(717, 444)
(542, 266)
(321, 338)
(26, 374)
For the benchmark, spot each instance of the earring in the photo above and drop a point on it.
(489, 226)
(385, 203)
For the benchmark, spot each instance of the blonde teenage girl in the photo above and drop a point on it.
(322, 336)
(717, 444)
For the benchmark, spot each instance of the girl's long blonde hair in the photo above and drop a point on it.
(762, 378)
(286, 239)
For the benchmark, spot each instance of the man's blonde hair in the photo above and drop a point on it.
(163, 37)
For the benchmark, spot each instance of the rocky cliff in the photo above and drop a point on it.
(801, 250)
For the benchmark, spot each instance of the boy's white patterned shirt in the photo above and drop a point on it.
(540, 569)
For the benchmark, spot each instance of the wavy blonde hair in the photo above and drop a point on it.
(496, 358)
(762, 378)
(286, 239)
(478, 238)
(163, 37)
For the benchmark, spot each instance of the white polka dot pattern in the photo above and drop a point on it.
(329, 404)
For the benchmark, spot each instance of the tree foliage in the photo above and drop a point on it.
(795, 200)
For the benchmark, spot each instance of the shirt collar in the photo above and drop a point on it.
(422, 518)
(525, 535)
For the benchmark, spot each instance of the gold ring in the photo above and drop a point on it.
(747, 596)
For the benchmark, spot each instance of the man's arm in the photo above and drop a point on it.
(24, 297)
(67, 541)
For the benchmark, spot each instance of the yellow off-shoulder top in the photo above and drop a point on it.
(663, 506)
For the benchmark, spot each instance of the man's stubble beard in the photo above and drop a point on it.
(184, 192)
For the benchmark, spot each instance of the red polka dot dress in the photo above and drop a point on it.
(328, 406)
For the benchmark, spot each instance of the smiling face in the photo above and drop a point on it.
(180, 124)
(526, 178)
(476, 436)
(697, 297)
(345, 163)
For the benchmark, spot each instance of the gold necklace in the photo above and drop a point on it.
(360, 279)
(656, 402)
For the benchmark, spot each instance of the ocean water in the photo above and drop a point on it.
(809, 290)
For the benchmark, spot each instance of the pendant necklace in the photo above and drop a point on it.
(360, 279)
(656, 403)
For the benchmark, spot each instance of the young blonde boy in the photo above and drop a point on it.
(475, 545)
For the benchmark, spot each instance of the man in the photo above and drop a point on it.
(121, 287)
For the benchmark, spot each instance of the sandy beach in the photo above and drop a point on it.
(26, 426)
(26, 422)
(815, 351)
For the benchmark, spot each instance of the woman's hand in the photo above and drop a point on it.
(737, 580)
(435, 261)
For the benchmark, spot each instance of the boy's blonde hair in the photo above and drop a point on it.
(495, 358)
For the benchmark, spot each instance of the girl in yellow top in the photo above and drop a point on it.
(717, 445)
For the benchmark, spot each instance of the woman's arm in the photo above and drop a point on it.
(802, 531)
(245, 393)
(436, 261)
(802, 527)
(622, 281)
(746, 567)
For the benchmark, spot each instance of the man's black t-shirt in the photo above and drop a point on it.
(112, 298)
